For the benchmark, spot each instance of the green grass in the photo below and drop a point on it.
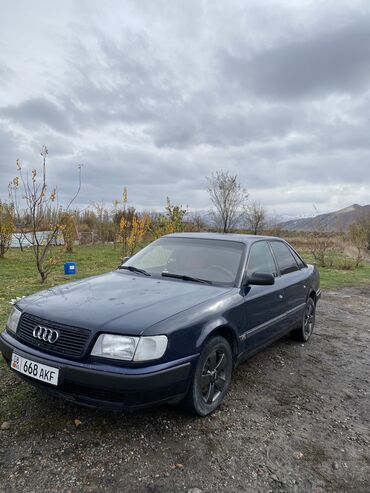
(18, 277)
(331, 277)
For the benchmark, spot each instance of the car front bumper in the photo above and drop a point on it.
(98, 384)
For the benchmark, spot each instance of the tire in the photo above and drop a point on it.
(212, 377)
(304, 332)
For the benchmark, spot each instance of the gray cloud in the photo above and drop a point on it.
(335, 60)
(125, 82)
(39, 111)
(157, 98)
(12, 146)
(197, 123)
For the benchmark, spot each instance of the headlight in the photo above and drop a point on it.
(117, 347)
(13, 320)
(128, 348)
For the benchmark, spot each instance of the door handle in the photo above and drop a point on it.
(281, 296)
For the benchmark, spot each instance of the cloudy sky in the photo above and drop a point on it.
(156, 95)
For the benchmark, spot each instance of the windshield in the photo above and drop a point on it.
(217, 261)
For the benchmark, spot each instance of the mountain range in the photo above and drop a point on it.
(333, 221)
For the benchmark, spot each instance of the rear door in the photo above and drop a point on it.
(292, 281)
(263, 305)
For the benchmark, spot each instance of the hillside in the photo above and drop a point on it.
(332, 221)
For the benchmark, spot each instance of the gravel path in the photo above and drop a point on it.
(297, 419)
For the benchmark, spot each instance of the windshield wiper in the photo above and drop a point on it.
(134, 269)
(186, 278)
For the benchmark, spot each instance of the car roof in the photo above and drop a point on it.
(223, 236)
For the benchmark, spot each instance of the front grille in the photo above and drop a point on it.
(71, 342)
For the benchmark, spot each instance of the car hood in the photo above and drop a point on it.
(118, 302)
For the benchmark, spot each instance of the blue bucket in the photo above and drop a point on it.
(70, 268)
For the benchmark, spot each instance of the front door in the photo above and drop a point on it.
(264, 306)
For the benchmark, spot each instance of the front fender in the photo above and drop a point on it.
(188, 330)
(222, 327)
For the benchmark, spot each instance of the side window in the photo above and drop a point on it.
(297, 259)
(261, 260)
(284, 257)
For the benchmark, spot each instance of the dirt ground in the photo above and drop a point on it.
(296, 420)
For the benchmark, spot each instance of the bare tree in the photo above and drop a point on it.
(41, 207)
(321, 241)
(102, 220)
(273, 226)
(256, 217)
(197, 220)
(228, 197)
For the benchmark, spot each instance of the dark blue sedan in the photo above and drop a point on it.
(169, 325)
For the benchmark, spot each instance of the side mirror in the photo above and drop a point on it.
(124, 260)
(259, 279)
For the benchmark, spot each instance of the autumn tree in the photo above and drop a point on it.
(139, 227)
(228, 197)
(255, 215)
(172, 221)
(41, 208)
(132, 226)
(7, 226)
(68, 230)
(123, 215)
(175, 215)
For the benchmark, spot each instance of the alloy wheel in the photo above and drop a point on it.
(309, 320)
(213, 378)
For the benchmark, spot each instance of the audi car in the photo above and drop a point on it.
(169, 325)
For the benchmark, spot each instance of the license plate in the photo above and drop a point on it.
(35, 370)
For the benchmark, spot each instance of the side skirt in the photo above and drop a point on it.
(250, 353)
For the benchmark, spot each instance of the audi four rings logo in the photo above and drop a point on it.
(45, 334)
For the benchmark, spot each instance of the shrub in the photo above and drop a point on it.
(359, 238)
